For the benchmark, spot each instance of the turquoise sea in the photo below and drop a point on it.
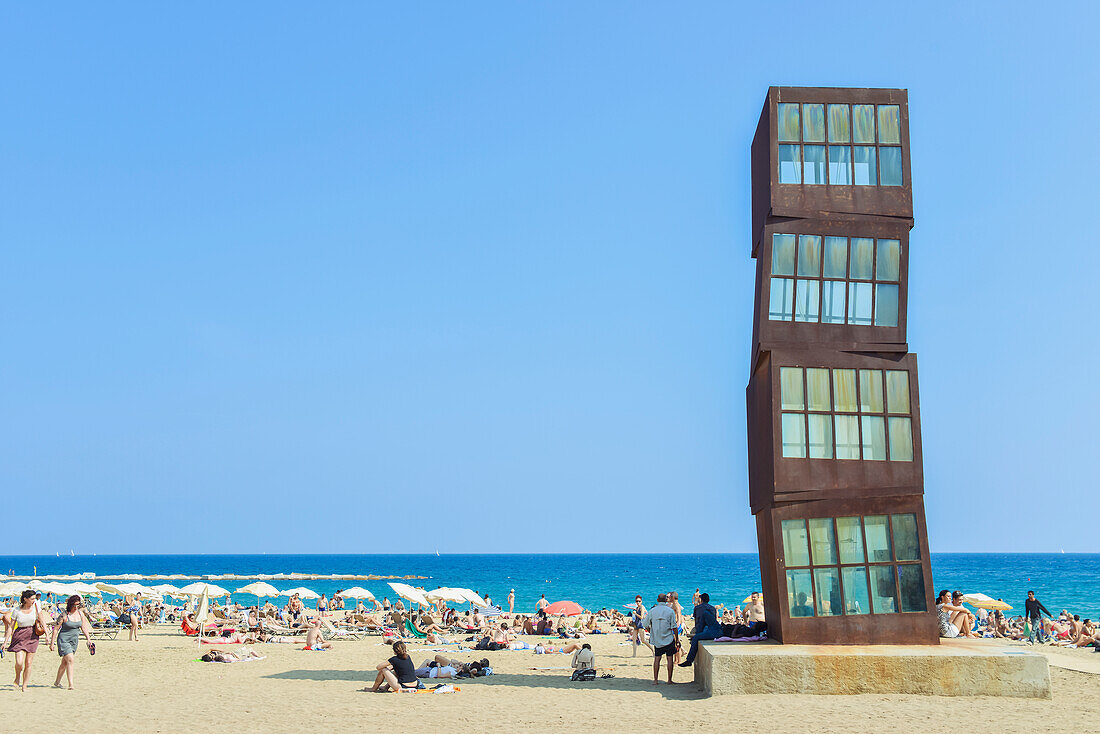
(1062, 581)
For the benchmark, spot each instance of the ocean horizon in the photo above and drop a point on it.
(1061, 580)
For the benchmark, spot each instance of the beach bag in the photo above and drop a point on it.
(124, 619)
(589, 674)
(39, 628)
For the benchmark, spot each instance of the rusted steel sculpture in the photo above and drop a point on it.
(836, 475)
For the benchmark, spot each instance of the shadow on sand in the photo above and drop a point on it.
(682, 691)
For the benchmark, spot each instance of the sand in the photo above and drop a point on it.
(153, 686)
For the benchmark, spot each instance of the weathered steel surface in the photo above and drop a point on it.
(794, 488)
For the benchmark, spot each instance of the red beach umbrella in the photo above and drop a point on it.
(568, 608)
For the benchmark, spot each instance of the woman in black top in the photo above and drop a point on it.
(396, 673)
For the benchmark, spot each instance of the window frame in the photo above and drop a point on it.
(894, 563)
(851, 145)
(821, 279)
(805, 412)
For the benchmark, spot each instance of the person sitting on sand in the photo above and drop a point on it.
(314, 640)
(397, 673)
(222, 656)
(584, 659)
(502, 636)
(948, 614)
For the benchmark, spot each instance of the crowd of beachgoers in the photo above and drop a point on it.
(229, 632)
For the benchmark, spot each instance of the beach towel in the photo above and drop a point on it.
(413, 631)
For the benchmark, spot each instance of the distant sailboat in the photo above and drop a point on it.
(437, 552)
(57, 554)
(71, 552)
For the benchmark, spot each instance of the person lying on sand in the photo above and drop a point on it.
(220, 656)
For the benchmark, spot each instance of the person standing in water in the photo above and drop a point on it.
(67, 635)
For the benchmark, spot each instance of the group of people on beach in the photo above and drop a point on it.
(27, 622)
(659, 627)
(1065, 630)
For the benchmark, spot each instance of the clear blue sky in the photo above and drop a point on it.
(370, 278)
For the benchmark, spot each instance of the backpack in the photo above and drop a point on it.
(589, 674)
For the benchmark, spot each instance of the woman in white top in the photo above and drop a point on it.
(19, 632)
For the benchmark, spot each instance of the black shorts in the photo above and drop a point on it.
(669, 649)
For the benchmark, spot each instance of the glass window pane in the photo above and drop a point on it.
(859, 304)
(809, 255)
(832, 301)
(788, 122)
(897, 391)
(906, 545)
(863, 123)
(822, 541)
(863, 165)
(790, 388)
(847, 436)
(790, 164)
(794, 436)
(836, 257)
(806, 301)
(870, 391)
(863, 258)
(890, 162)
(828, 592)
(781, 300)
(856, 597)
(800, 594)
(884, 594)
(901, 439)
(814, 167)
(889, 258)
(817, 389)
(886, 304)
(821, 436)
(783, 254)
(877, 530)
(849, 533)
(840, 165)
(844, 391)
(813, 123)
(874, 438)
(795, 543)
(839, 128)
(889, 123)
(911, 581)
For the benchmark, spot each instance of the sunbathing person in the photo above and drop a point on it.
(397, 673)
(220, 656)
(564, 649)
(439, 667)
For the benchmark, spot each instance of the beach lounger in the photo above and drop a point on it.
(277, 629)
(330, 632)
(414, 631)
(105, 632)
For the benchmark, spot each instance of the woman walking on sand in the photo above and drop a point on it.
(67, 634)
(23, 626)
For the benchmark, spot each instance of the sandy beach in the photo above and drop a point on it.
(154, 686)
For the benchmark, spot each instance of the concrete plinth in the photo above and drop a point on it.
(954, 668)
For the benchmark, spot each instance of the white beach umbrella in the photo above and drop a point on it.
(80, 587)
(356, 592)
(302, 593)
(197, 588)
(258, 589)
(106, 588)
(168, 590)
(408, 592)
(470, 596)
(447, 594)
(11, 588)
